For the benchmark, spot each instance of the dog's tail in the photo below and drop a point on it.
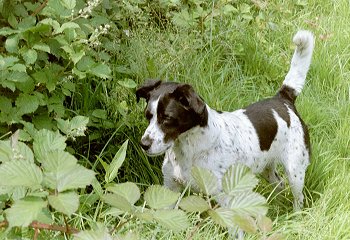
(295, 78)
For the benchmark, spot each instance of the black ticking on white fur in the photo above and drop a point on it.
(264, 134)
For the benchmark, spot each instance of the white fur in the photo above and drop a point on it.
(301, 60)
(230, 138)
(154, 132)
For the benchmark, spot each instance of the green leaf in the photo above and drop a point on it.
(5, 31)
(46, 141)
(158, 197)
(74, 127)
(175, 220)
(69, 4)
(237, 179)
(24, 212)
(115, 212)
(30, 56)
(100, 113)
(97, 234)
(42, 47)
(66, 25)
(26, 103)
(67, 177)
(194, 204)
(20, 173)
(19, 151)
(53, 23)
(11, 44)
(18, 67)
(222, 217)
(264, 224)
(66, 203)
(117, 161)
(117, 201)
(246, 223)
(205, 180)
(128, 190)
(249, 203)
(101, 70)
(128, 83)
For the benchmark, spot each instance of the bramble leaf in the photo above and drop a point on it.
(158, 197)
(20, 173)
(238, 178)
(205, 180)
(194, 204)
(249, 203)
(46, 141)
(23, 212)
(117, 201)
(66, 203)
(128, 190)
(172, 219)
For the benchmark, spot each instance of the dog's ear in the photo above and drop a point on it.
(189, 99)
(146, 88)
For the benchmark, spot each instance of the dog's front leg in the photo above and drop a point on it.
(168, 170)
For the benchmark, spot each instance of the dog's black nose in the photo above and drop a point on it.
(146, 143)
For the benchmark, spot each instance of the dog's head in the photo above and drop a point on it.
(172, 109)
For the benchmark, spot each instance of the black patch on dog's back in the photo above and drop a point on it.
(265, 124)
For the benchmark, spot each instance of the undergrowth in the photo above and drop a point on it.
(233, 53)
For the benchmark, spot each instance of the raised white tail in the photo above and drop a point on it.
(295, 78)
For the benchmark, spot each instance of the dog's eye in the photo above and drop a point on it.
(169, 120)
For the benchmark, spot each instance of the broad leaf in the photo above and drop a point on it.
(30, 56)
(118, 201)
(42, 47)
(158, 197)
(223, 217)
(26, 103)
(245, 223)
(19, 151)
(115, 212)
(238, 178)
(101, 70)
(249, 203)
(128, 83)
(205, 180)
(97, 234)
(117, 161)
(24, 212)
(194, 204)
(264, 224)
(175, 220)
(20, 173)
(76, 177)
(128, 190)
(66, 203)
(69, 4)
(57, 161)
(46, 141)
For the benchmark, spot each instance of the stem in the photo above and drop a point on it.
(52, 227)
(41, 7)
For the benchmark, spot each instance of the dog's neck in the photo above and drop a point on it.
(199, 139)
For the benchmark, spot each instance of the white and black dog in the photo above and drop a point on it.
(268, 132)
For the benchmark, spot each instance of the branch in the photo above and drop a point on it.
(41, 7)
(53, 227)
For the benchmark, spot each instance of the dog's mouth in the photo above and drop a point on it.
(155, 154)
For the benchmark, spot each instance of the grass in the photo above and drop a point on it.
(234, 66)
(238, 66)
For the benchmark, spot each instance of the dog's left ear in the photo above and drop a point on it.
(146, 88)
(189, 99)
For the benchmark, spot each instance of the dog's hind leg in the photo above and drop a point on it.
(271, 175)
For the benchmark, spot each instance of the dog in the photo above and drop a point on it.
(263, 134)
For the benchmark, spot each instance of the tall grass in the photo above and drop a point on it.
(236, 67)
